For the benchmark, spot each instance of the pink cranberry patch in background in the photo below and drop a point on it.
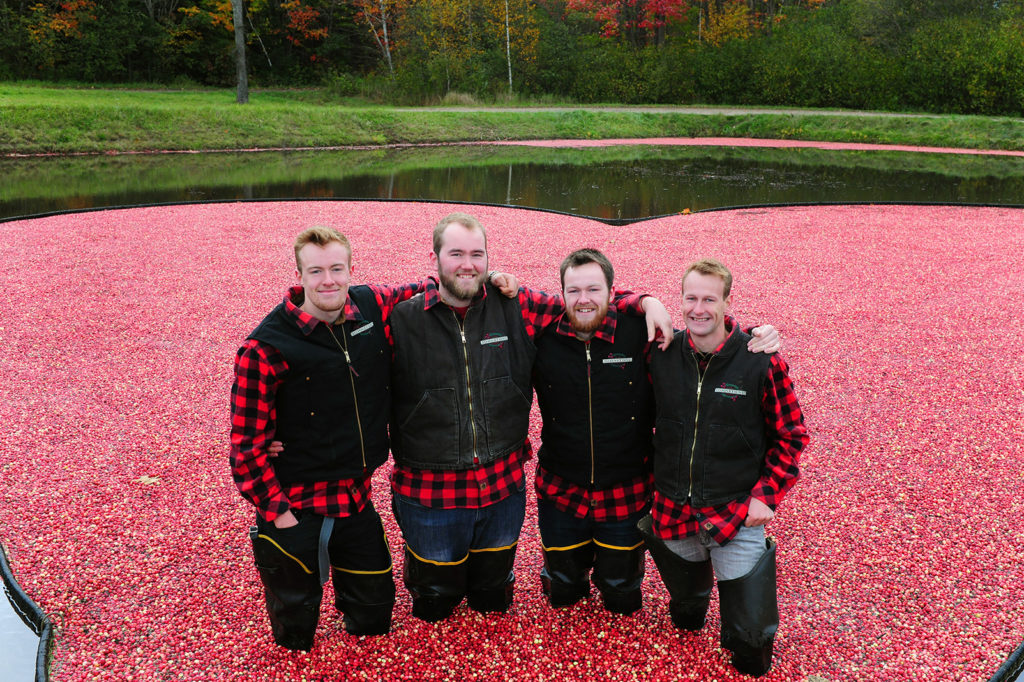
(899, 549)
(754, 142)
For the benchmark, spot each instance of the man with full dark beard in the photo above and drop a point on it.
(463, 358)
(594, 480)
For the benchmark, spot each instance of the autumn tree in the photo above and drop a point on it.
(446, 35)
(379, 16)
(723, 20)
(637, 22)
(51, 24)
(290, 35)
(202, 41)
(511, 24)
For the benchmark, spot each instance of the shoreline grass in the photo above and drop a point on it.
(37, 119)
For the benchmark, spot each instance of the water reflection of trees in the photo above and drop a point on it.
(609, 183)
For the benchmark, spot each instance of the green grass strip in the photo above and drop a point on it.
(37, 119)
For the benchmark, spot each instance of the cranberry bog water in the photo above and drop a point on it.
(899, 547)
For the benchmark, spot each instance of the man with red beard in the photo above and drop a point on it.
(462, 394)
(594, 479)
(726, 450)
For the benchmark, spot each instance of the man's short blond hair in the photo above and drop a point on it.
(461, 218)
(320, 236)
(710, 266)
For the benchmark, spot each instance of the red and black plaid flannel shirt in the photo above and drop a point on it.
(616, 503)
(259, 371)
(482, 486)
(787, 436)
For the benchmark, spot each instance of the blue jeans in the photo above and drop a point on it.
(454, 553)
(734, 560)
(559, 530)
(449, 535)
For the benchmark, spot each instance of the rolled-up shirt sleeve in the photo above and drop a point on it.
(259, 369)
(787, 435)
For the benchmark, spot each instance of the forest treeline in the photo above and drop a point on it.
(961, 56)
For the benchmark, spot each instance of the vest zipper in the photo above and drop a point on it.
(696, 417)
(469, 384)
(590, 414)
(352, 378)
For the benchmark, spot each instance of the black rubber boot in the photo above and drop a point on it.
(491, 580)
(688, 583)
(366, 600)
(618, 574)
(436, 589)
(292, 594)
(565, 577)
(750, 615)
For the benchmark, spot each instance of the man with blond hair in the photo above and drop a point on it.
(728, 437)
(315, 374)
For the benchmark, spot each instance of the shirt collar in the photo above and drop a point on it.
(432, 294)
(293, 301)
(730, 328)
(605, 332)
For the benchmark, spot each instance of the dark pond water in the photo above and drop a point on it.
(616, 183)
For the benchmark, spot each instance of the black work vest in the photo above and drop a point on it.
(709, 440)
(597, 412)
(331, 417)
(462, 391)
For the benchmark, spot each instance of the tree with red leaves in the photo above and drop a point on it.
(635, 21)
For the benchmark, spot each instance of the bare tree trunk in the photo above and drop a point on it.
(260, 40)
(242, 96)
(383, 45)
(387, 44)
(508, 58)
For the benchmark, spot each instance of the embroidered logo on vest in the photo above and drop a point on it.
(365, 328)
(492, 338)
(731, 391)
(617, 360)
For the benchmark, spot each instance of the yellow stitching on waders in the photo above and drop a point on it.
(281, 549)
(565, 549)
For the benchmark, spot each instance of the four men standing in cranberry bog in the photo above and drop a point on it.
(314, 391)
